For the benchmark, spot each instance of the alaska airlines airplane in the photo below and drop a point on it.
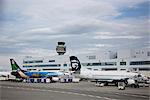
(104, 77)
(19, 73)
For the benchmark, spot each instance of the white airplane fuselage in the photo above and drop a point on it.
(106, 75)
(6, 76)
(5, 73)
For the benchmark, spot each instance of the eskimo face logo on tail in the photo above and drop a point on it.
(75, 63)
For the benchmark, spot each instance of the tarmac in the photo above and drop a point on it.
(69, 91)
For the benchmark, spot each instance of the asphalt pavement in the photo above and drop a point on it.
(69, 91)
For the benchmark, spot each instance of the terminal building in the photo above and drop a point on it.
(137, 60)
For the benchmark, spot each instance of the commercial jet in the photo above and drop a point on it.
(105, 77)
(6, 75)
(19, 73)
(101, 77)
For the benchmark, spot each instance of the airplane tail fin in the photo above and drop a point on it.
(14, 65)
(16, 70)
(75, 64)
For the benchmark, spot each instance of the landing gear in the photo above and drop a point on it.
(98, 84)
(135, 85)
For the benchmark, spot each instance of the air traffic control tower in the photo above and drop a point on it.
(61, 48)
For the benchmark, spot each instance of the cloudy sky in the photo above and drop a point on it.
(33, 27)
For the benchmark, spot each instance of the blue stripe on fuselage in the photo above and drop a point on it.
(41, 74)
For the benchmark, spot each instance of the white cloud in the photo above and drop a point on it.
(82, 51)
(125, 3)
(104, 33)
(7, 40)
(117, 37)
(103, 45)
(38, 52)
(35, 31)
(31, 26)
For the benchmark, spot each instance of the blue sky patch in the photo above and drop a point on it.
(137, 11)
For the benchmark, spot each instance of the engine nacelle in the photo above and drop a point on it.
(131, 81)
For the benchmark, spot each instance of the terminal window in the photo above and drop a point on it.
(122, 63)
